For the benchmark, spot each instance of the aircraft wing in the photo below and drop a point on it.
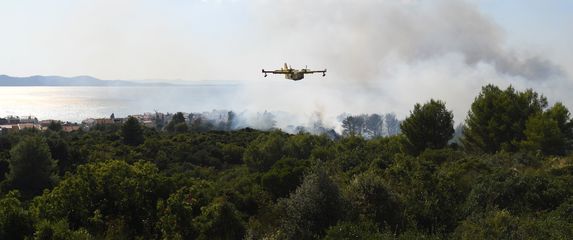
(276, 71)
(319, 71)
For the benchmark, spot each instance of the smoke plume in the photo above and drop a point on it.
(385, 56)
(382, 56)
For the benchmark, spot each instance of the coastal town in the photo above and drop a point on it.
(155, 120)
(366, 125)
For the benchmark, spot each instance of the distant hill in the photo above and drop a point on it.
(65, 81)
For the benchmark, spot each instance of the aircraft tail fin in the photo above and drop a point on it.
(286, 66)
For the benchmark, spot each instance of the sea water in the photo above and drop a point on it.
(78, 103)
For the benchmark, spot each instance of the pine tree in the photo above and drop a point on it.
(497, 118)
(31, 166)
(132, 132)
(429, 126)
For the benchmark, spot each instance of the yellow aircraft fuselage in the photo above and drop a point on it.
(293, 74)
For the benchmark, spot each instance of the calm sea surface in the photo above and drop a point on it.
(78, 103)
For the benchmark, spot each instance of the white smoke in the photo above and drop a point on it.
(382, 55)
(385, 56)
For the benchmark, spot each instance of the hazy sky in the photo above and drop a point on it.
(382, 56)
(190, 39)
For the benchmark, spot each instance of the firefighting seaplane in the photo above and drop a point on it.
(294, 74)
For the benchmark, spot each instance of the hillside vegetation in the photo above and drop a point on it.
(509, 176)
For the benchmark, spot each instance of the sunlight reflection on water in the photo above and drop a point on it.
(78, 103)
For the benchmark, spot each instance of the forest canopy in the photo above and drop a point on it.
(509, 175)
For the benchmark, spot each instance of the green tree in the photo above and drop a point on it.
(181, 127)
(300, 146)
(429, 126)
(60, 150)
(353, 230)
(232, 153)
(542, 133)
(59, 230)
(373, 201)
(353, 126)
(175, 120)
(496, 225)
(350, 153)
(497, 118)
(200, 124)
(31, 166)
(503, 224)
(518, 192)
(312, 208)
(55, 126)
(561, 114)
(176, 216)
(220, 220)
(15, 221)
(132, 132)
(111, 197)
(423, 204)
(283, 177)
(374, 125)
(4, 169)
(263, 152)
